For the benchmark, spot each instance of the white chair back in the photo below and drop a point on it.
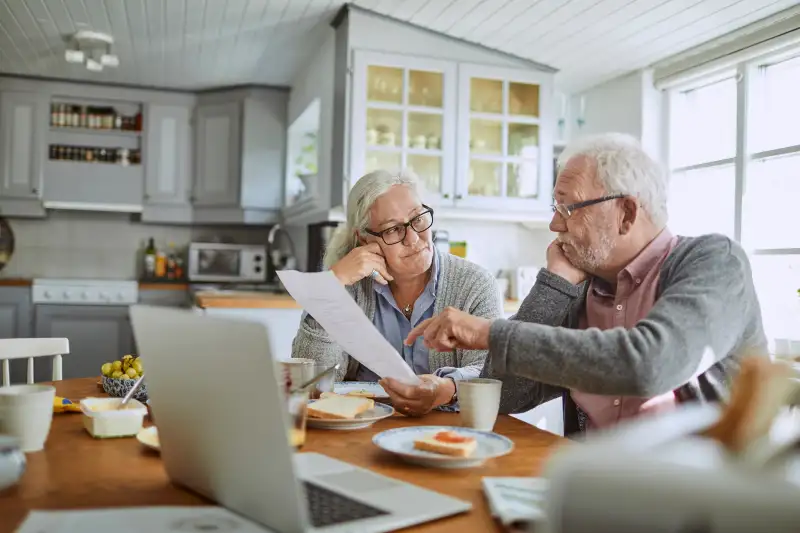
(31, 348)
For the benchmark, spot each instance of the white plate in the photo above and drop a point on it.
(343, 387)
(149, 438)
(364, 420)
(400, 441)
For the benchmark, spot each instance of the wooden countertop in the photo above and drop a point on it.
(511, 306)
(76, 471)
(15, 282)
(163, 286)
(245, 300)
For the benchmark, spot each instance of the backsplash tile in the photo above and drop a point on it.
(78, 244)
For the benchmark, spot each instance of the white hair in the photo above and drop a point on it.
(359, 202)
(623, 167)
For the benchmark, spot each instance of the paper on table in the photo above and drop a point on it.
(324, 298)
(516, 499)
(137, 519)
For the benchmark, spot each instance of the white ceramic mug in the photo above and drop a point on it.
(300, 370)
(26, 413)
(479, 402)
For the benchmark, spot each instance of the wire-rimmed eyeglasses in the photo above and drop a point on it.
(565, 210)
(397, 233)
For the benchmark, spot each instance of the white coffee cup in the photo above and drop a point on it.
(479, 402)
(26, 413)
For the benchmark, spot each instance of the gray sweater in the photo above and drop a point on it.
(462, 285)
(705, 319)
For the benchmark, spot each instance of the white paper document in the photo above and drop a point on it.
(324, 298)
(138, 519)
(515, 500)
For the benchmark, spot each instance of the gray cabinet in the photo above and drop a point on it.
(217, 154)
(167, 154)
(97, 334)
(23, 119)
(16, 316)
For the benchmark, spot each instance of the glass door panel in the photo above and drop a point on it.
(523, 179)
(424, 131)
(485, 178)
(425, 89)
(486, 137)
(486, 96)
(523, 99)
(378, 160)
(523, 140)
(429, 170)
(384, 127)
(384, 84)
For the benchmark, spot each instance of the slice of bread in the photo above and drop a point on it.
(337, 407)
(433, 443)
(355, 393)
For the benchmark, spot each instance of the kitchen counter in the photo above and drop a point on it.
(15, 282)
(163, 286)
(244, 300)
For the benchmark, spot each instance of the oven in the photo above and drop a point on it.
(227, 263)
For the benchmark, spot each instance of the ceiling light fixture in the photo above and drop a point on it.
(92, 48)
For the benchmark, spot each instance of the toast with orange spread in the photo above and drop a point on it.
(447, 443)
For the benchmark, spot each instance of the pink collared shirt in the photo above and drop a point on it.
(607, 308)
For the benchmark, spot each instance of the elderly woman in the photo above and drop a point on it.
(385, 257)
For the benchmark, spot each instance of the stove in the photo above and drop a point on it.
(85, 292)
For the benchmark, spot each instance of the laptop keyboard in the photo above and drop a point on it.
(328, 508)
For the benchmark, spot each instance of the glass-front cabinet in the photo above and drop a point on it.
(404, 117)
(478, 136)
(505, 139)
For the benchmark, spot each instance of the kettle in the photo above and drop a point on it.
(12, 462)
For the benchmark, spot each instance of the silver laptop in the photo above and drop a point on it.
(223, 433)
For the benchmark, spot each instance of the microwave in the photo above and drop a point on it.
(220, 263)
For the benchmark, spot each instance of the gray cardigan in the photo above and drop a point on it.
(462, 285)
(705, 319)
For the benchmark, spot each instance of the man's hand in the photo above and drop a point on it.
(417, 400)
(558, 264)
(453, 329)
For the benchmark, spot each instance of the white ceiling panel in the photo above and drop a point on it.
(207, 43)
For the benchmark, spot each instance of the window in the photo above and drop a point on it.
(751, 196)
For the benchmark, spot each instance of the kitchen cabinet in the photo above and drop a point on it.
(96, 333)
(16, 316)
(479, 137)
(168, 166)
(240, 144)
(404, 116)
(217, 149)
(23, 120)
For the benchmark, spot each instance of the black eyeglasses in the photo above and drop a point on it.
(397, 233)
(565, 210)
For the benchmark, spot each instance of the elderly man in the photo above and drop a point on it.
(626, 318)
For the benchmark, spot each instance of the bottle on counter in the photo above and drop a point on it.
(171, 263)
(161, 265)
(150, 259)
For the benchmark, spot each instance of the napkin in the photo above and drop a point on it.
(62, 405)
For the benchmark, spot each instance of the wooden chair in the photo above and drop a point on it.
(30, 348)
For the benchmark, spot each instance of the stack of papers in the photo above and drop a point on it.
(138, 519)
(323, 297)
(516, 500)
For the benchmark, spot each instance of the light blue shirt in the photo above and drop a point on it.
(395, 327)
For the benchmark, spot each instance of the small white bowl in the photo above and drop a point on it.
(102, 418)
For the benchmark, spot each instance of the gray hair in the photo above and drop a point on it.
(623, 167)
(359, 202)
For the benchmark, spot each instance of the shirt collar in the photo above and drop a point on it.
(639, 267)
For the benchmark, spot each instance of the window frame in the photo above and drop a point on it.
(746, 73)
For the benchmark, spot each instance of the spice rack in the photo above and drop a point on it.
(93, 117)
(118, 156)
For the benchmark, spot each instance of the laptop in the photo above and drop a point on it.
(223, 432)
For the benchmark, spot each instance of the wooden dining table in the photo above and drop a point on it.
(76, 471)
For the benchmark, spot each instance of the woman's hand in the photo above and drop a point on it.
(417, 400)
(452, 329)
(360, 263)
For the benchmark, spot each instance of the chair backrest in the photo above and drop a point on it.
(30, 348)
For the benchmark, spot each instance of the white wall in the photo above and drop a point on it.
(628, 104)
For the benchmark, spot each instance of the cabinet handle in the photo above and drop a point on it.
(445, 196)
(35, 190)
(459, 196)
(146, 196)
